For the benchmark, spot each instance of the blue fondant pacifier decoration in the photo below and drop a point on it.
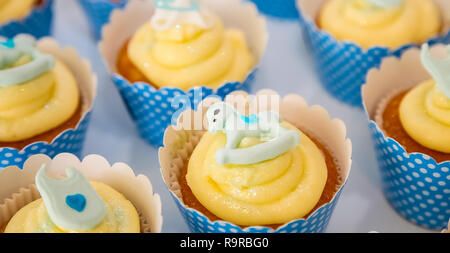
(9, 43)
(438, 69)
(266, 126)
(11, 52)
(170, 13)
(77, 202)
(386, 3)
(71, 203)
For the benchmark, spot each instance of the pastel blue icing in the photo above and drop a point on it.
(77, 202)
(277, 140)
(386, 3)
(10, 52)
(252, 119)
(438, 69)
(71, 203)
(9, 43)
(170, 5)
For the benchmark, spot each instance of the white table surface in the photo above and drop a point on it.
(287, 68)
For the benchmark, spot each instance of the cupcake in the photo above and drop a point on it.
(27, 16)
(408, 103)
(284, 9)
(41, 81)
(156, 52)
(256, 172)
(349, 37)
(99, 11)
(65, 195)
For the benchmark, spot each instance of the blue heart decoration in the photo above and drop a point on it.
(252, 119)
(77, 202)
(9, 43)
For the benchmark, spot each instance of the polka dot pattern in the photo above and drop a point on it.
(342, 66)
(317, 222)
(98, 12)
(69, 141)
(38, 23)
(416, 186)
(152, 109)
(286, 9)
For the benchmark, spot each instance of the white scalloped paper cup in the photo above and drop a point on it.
(70, 140)
(179, 145)
(38, 23)
(343, 65)
(18, 185)
(416, 186)
(151, 108)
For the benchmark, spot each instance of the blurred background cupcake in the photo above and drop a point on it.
(65, 195)
(284, 9)
(99, 11)
(408, 103)
(168, 58)
(46, 94)
(251, 173)
(26, 16)
(349, 37)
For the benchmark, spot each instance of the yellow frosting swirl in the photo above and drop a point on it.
(414, 21)
(271, 192)
(425, 116)
(36, 106)
(188, 55)
(121, 216)
(13, 9)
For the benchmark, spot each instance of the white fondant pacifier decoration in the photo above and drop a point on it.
(170, 13)
(266, 125)
(12, 50)
(386, 3)
(71, 203)
(438, 69)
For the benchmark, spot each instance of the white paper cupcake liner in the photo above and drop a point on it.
(18, 188)
(415, 185)
(38, 23)
(70, 140)
(179, 144)
(343, 65)
(151, 108)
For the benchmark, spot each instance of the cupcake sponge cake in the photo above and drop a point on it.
(419, 118)
(184, 45)
(34, 86)
(266, 176)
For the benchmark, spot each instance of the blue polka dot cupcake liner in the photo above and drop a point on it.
(99, 11)
(70, 140)
(151, 108)
(284, 9)
(180, 141)
(38, 23)
(414, 184)
(342, 66)
(199, 223)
